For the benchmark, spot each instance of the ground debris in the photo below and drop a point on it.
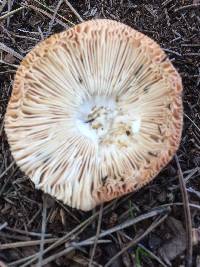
(176, 243)
(175, 25)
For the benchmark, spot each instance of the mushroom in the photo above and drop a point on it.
(95, 113)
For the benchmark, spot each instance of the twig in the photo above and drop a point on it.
(15, 237)
(140, 245)
(27, 243)
(24, 36)
(2, 226)
(7, 169)
(191, 190)
(192, 122)
(188, 221)
(9, 4)
(10, 51)
(103, 234)
(69, 249)
(39, 10)
(25, 232)
(112, 230)
(54, 15)
(192, 54)
(44, 217)
(130, 222)
(49, 9)
(3, 5)
(20, 261)
(136, 240)
(7, 71)
(10, 13)
(73, 10)
(68, 211)
(195, 206)
(11, 65)
(186, 7)
(166, 2)
(34, 217)
(8, 178)
(2, 124)
(190, 175)
(190, 45)
(97, 235)
(172, 52)
(153, 255)
(80, 227)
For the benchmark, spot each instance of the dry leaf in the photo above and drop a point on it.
(176, 245)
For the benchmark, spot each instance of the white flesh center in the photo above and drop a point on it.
(99, 117)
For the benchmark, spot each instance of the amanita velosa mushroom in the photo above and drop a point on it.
(95, 113)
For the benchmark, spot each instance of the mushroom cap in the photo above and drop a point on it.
(95, 113)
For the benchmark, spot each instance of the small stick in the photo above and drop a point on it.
(49, 9)
(11, 65)
(192, 121)
(195, 206)
(153, 255)
(103, 234)
(10, 13)
(2, 122)
(39, 10)
(137, 239)
(54, 15)
(74, 11)
(188, 221)
(60, 241)
(172, 52)
(7, 169)
(44, 219)
(20, 261)
(190, 45)
(2, 226)
(3, 4)
(25, 232)
(69, 249)
(9, 4)
(192, 54)
(97, 235)
(68, 211)
(186, 7)
(130, 222)
(26, 243)
(191, 190)
(165, 3)
(10, 51)
(190, 175)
